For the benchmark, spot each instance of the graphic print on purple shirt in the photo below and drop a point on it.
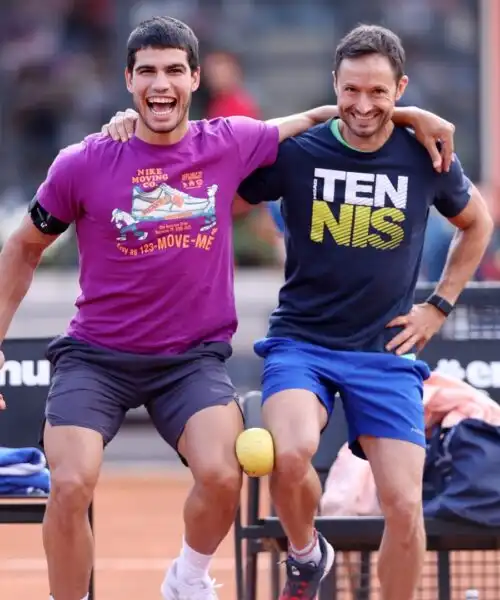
(154, 232)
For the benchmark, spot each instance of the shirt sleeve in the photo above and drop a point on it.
(257, 143)
(453, 190)
(58, 194)
(265, 184)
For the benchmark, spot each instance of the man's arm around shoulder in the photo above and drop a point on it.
(296, 124)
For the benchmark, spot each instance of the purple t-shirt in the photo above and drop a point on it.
(154, 232)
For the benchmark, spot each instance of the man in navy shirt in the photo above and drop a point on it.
(355, 196)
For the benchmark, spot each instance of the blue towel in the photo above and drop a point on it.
(23, 472)
(17, 456)
(25, 485)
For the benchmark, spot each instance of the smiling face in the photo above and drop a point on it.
(367, 90)
(162, 83)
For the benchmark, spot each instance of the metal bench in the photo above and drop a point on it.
(24, 381)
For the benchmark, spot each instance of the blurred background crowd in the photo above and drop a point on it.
(61, 78)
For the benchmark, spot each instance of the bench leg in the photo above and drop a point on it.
(444, 575)
(364, 576)
(92, 585)
(328, 590)
(251, 573)
(275, 574)
(238, 554)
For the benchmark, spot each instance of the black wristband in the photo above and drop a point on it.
(441, 304)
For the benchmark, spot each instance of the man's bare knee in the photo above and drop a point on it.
(402, 510)
(295, 419)
(74, 455)
(293, 461)
(397, 468)
(222, 479)
(208, 444)
(71, 490)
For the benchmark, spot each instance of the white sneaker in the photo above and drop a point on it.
(173, 588)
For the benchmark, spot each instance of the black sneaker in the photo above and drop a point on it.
(303, 579)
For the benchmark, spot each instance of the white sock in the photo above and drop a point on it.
(84, 598)
(191, 564)
(311, 553)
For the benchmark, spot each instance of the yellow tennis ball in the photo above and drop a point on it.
(255, 452)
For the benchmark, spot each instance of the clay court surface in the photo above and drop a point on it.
(138, 524)
(138, 532)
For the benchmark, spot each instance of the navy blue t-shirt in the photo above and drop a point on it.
(354, 232)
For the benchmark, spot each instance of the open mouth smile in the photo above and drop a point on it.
(161, 106)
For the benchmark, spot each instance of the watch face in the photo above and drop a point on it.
(444, 305)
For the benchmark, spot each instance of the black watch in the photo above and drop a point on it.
(440, 303)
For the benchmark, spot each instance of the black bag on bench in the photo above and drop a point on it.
(462, 473)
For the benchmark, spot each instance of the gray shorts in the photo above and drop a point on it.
(94, 387)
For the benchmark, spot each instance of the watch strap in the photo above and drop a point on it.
(440, 303)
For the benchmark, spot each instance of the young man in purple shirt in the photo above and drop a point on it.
(156, 312)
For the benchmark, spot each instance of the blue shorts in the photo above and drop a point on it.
(382, 393)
